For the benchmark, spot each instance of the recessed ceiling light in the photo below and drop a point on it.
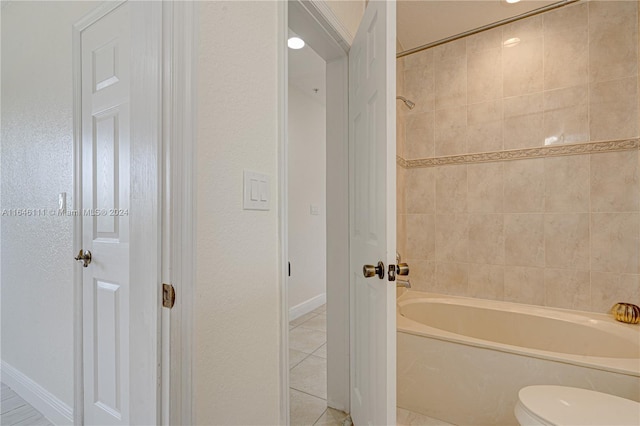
(512, 1)
(295, 43)
(511, 42)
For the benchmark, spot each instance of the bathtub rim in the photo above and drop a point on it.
(626, 366)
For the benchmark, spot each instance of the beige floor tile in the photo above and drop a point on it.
(332, 417)
(305, 409)
(316, 323)
(321, 352)
(295, 357)
(409, 418)
(296, 322)
(321, 310)
(306, 340)
(310, 376)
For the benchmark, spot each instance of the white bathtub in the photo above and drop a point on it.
(463, 360)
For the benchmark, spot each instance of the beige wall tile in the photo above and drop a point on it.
(490, 39)
(422, 275)
(451, 131)
(486, 238)
(420, 236)
(452, 278)
(484, 132)
(566, 55)
(524, 186)
(524, 285)
(486, 282)
(452, 237)
(420, 130)
(420, 59)
(419, 86)
(523, 125)
(524, 239)
(450, 50)
(421, 190)
(451, 189)
(613, 107)
(561, 19)
(609, 289)
(484, 75)
(568, 289)
(522, 68)
(566, 116)
(525, 29)
(566, 183)
(614, 182)
(614, 242)
(451, 82)
(485, 187)
(613, 40)
(400, 189)
(400, 134)
(401, 233)
(567, 240)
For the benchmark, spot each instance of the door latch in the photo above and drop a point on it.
(168, 296)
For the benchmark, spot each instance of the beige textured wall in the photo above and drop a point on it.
(556, 231)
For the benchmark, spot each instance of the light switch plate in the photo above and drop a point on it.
(257, 191)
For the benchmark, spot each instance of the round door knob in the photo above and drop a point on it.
(84, 256)
(369, 270)
(403, 269)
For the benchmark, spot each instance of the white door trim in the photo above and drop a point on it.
(180, 35)
(283, 202)
(332, 45)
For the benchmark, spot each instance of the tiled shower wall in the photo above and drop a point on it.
(560, 231)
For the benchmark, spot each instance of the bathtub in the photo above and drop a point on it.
(463, 360)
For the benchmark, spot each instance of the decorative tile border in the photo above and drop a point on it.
(519, 154)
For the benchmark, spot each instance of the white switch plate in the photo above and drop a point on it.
(314, 210)
(257, 191)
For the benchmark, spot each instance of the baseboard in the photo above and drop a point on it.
(307, 306)
(41, 399)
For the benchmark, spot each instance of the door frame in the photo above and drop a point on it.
(172, 38)
(320, 27)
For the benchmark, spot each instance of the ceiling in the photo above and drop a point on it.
(307, 71)
(421, 22)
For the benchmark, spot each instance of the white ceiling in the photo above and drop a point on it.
(425, 21)
(307, 71)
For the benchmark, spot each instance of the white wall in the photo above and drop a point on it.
(307, 186)
(37, 142)
(237, 302)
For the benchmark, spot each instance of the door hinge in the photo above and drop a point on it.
(168, 296)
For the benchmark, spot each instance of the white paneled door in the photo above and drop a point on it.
(106, 50)
(372, 156)
(110, 338)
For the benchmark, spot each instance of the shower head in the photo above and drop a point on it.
(407, 102)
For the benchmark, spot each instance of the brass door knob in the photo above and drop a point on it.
(84, 256)
(402, 269)
(369, 270)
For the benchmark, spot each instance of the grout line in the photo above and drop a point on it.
(318, 419)
(307, 393)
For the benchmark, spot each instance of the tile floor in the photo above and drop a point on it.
(16, 411)
(308, 376)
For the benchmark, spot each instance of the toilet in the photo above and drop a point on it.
(561, 405)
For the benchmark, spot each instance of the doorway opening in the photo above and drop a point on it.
(316, 239)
